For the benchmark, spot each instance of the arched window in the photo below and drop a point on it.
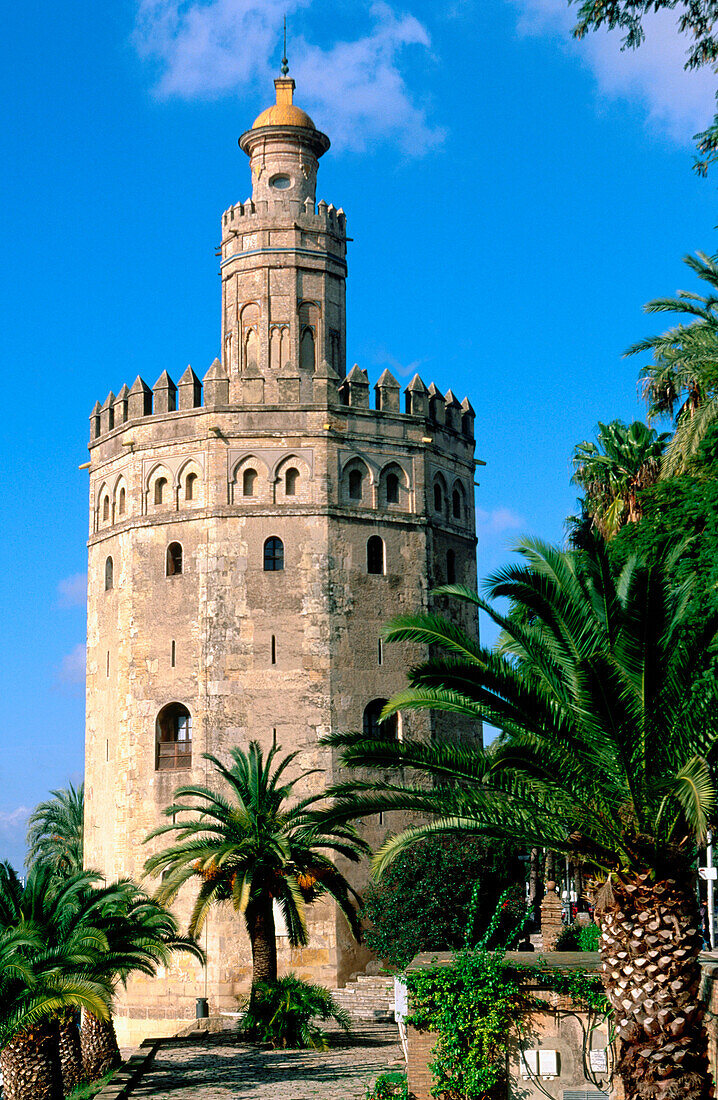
(392, 489)
(450, 567)
(273, 555)
(355, 484)
(173, 737)
(375, 555)
(160, 486)
(174, 559)
(456, 503)
(373, 727)
(109, 575)
(249, 483)
(106, 508)
(291, 479)
(306, 350)
(121, 502)
(190, 487)
(438, 497)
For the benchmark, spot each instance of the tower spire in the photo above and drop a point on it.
(285, 63)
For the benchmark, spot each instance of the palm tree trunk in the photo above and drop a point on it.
(650, 942)
(100, 1052)
(260, 923)
(30, 1064)
(70, 1046)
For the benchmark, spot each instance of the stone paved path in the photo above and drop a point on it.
(220, 1068)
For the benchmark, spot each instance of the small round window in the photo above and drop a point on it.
(280, 183)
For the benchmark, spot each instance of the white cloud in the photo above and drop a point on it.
(72, 667)
(677, 103)
(72, 591)
(497, 521)
(14, 821)
(354, 88)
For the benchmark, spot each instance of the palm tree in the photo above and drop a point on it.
(605, 754)
(48, 966)
(612, 472)
(141, 935)
(684, 370)
(253, 846)
(55, 830)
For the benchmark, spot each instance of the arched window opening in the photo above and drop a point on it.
(160, 487)
(249, 483)
(109, 575)
(291, 479)
(375, 555)
(450, 567)
(392, 489)
(106, 508)
(190, 487)
(355, 484)
(273, 555)
(121, 502)
(438, 498)
(373, 727)
(306, 350)
(174, 559)
(456, 504)
(173, 737)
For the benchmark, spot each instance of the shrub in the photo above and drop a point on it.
(281, 1013)
(578, 937)
(389, 1086)
(423, 898)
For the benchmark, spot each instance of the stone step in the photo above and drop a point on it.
(367, 997)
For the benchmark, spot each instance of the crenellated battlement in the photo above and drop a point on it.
(322, 217)
(351, 394)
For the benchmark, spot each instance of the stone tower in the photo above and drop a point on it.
(250, 535)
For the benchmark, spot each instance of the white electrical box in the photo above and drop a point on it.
(539, 1063)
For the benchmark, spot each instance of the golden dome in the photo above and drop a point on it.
(284, 112)
(281, 114)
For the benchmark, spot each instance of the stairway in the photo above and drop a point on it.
(367, 997)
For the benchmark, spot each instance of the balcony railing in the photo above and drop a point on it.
(173, 754)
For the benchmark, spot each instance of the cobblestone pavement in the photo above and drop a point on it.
(220, 1068)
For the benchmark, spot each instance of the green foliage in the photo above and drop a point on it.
(472, 1005)
(90, 1089)
(579, 937)
(55, 831)
(612, 471)
(584, 988)
(389, 1086)
(282, 1013)
(605, 754)
(422, 902)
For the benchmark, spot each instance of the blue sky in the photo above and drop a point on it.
(514, 199)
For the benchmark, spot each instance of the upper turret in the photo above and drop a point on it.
(284, 147)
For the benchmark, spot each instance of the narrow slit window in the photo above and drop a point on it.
(273, 555)
(381, 817)
(190, 487)
(438, 498)
(291, 478)
(274, 649)
(160, 490)
(456, 504)
(380, 652)
(355, 484)
(106, 508)
(121, 503)
(174, 559)
(107, 667)
(173, 654)
(450, 567)
(392, 489)
(375, 555)
(107, 750)
(249, 483)
(109, 574)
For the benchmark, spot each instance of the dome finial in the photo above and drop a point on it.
(285, 63)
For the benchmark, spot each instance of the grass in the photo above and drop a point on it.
(90, 1089)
